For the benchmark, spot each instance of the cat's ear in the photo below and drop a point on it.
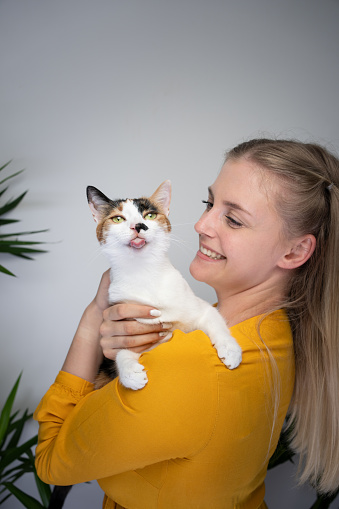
(97, 202)
(163, 196)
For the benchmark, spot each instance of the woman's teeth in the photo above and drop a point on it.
(211, 254)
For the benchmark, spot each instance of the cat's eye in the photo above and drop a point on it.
(118, 219)
(151, 215)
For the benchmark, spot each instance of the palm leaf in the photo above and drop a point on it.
(9, 235)
(324, 501)
(26, 500)
(10, 205)
(6, 271)
(43, 488)
(10, 177)
(17, 427)
(6, 411)
(3, 222)
(5, 165)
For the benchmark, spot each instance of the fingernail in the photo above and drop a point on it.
(166, 325)
(155, 312)
(163, 334)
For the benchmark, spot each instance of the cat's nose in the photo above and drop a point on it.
(141, 226)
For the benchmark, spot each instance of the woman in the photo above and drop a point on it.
(199, 435)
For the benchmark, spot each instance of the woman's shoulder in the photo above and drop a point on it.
(273, 330)
(185, 351)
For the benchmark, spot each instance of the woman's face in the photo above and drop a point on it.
(240, 234)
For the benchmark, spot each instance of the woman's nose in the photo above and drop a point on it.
(205, 225)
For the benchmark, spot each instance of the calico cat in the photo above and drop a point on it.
(135, 236)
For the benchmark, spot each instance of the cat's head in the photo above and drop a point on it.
(132, 226)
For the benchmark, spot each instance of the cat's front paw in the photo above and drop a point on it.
(132, 375)
(231, 355)
(133, 379)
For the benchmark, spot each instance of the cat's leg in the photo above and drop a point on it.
(212, 323)
(131, 373)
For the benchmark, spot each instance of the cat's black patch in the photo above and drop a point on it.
(141, 226)
(145, 205)
(101, 202)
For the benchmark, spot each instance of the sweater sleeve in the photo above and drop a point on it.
(86, 434)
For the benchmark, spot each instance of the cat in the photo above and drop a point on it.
(135, 235)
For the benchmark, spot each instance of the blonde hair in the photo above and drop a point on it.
(309, 204)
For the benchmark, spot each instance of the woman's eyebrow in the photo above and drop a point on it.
(230, 204)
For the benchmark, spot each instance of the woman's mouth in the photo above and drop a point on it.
(211, 254)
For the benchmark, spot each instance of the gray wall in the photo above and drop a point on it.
(122, 95)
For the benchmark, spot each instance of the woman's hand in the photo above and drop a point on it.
(119, 329)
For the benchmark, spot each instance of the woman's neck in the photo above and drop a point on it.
(237, 307)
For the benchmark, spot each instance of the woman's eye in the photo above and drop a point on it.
(151, 215)
(208, 204)
(232, 222)
(118, 219)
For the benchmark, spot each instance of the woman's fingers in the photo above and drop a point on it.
(125, 311)
(138, 344)
(120, 329)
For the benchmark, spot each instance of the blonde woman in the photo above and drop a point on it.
(199, 435)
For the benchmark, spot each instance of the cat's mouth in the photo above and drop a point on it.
(137, 243)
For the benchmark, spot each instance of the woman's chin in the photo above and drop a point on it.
(195, 270)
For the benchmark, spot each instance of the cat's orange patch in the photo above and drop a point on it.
(104, 225)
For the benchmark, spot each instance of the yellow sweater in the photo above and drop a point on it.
(197, 436)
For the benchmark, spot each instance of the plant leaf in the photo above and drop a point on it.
(3, 190)
(324, 501)
(43, 488)
(18, 250)
(3, 222)
(12, 204)
(18, 243)
(26, 500)
(6, 271)
(10, 235)
(2, 500)
(17, 427)
(6, 411)
(14, 454)
(283, 452)
(5, 165)
(10, 176)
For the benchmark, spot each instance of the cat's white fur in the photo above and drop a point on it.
(147, 276)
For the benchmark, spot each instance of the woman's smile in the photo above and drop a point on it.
(209, 254)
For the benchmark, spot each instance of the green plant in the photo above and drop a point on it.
(9, 242)
(17, 459)
(284, 453)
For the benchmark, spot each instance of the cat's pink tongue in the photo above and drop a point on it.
(137, 242)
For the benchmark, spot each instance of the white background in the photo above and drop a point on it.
(122, 94)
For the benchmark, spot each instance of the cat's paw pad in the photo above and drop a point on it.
(133, 376)
(231, 355)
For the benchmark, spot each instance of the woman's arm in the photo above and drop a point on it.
(86, 434)
(105, 330)
(85, 354)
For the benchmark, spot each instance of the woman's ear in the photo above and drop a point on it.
(300, 252)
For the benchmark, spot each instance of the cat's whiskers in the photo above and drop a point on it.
(178, 241)
(182, 224)
(97, 253)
